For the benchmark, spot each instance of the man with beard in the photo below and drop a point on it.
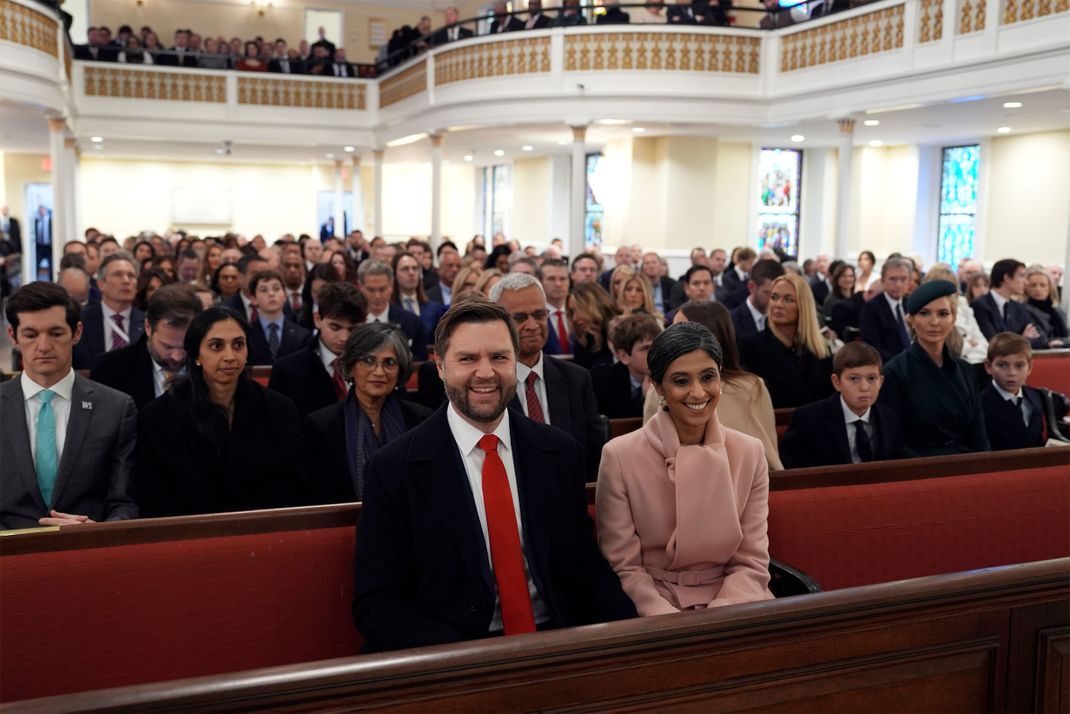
(549, 391)
(475, 523)
(146, 369)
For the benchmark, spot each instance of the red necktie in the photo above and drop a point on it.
(505, 554)
(295, 301)
(117, 340)
(340, 388)
(562, 333)
(534, 408)
(253, 314)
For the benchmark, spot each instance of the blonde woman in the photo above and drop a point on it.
(589, 310)
(790, 354)
(487, 280)
(1042, 299)
(466, 279)
(967, 341)
(633, 294)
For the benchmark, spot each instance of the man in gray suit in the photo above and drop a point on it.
(66, 443)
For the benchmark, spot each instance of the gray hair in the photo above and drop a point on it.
(896, 264)
(370, 338)
(678, 340)
(374, 267)
(514, 282)
(114, 257)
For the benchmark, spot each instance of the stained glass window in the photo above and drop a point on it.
(594, 215)
(958, 204)
(780, 179)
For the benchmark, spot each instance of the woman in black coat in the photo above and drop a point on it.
(342, 437)
(217, 441)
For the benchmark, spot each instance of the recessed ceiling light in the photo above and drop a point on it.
(96, 139)
(499, 152)
(797, 138)
(876, 143)
(1012, 105)
(872, 122)
(638, 129)
(468, 157)
(349, 149)
(527, 147)
(1004, 130)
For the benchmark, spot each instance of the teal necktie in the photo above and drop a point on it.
(47, 456)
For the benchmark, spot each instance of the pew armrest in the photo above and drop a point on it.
(785, 581)
(1055, 428)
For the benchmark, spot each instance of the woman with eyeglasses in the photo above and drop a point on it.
(341, 438)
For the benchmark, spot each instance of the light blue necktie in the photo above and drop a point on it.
(47, 455)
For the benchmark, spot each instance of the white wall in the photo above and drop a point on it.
(532, 189)
(884, 196)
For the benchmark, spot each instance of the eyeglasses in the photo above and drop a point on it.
(389, 364)
(521, 317)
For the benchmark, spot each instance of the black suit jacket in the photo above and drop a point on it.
(421, 571)
(667, 285)
(879, 329)
(541, 22)
(294, 338)
(170, 58)
(234, 302)
(104, 54)
(821, 291)
(92, 342)
(301, 377)
(818, 435)
(297, 66)
(793, 378)
(1017, 318)
(743, 321)
(846, 317)
(257, 465)
(96, 471)
(412, 327)
(614, 16)
(435, 293)
(441, 36)
(613, 392)
(730, 280)
(512, 24)
(14, 233)
(129, 370)
(573, 408)
(327, 456)
(1004, 424)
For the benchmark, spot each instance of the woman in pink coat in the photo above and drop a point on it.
(682, 503)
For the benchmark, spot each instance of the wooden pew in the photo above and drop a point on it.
(261, 373)
(162, 599)
(1051, 370)
(992, 640)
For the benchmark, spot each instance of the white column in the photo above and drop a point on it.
(357, 220)
(339, 200)
(436, 189)
(843, 184)
(70, 173)
(577, 205)
(57, 127)
(377, 198)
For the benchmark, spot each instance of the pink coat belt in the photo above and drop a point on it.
(686, 577)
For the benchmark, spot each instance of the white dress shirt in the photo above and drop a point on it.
(415, 309)
(759, 318)
(61, 408)
(110, 327)
(159, 379)
(383, 317)
(893, 303)
(1001, 303)
(522, 372)
(850, 418)
(467, 439)
(327, 358)
(1027, 408)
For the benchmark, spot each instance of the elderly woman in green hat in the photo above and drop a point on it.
(932, 392)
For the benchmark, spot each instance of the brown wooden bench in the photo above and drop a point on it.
(992, 640)
(162, 599)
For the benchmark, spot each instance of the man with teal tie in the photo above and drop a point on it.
(66, 443)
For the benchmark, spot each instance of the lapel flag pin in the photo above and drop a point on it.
(87, 405)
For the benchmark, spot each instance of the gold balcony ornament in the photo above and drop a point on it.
(28, 27)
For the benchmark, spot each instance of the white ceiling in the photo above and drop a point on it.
(24, 129)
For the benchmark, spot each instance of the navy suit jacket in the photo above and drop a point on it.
(818, 435)
(129, 370)
(1004, 424)
(821, 291)
(1016, 319)
(92, 342)
(413, 329)
(421, 570)
(879, 329)
(553, 340)
(743, 321)
(573, 408)
(294, 338)
(430, 313)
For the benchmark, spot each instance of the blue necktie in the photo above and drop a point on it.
(47, 455)
(273, 339)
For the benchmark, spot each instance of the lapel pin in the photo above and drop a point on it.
(87, 405)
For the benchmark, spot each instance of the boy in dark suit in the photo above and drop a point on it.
(1014, 413)
(272, 335)
(620, 389)
(848, 427)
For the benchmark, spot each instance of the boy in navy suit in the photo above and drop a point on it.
(271, 335)
(848, 427)
(1014, 413)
